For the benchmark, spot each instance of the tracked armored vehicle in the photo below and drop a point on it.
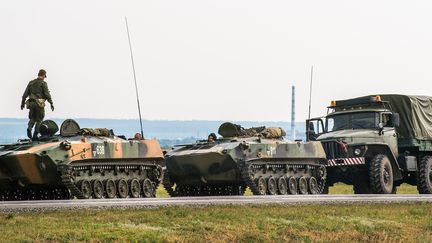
(79, 163)
(257, 158)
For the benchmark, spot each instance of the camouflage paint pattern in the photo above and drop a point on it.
(37, 163)
(217, 162)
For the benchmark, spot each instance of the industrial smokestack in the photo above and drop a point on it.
(293, 135)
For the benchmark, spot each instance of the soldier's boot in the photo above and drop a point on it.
(29, 133)
(35, 136)
(36, 130)
(30, 125)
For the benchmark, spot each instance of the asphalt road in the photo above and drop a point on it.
(204, 201)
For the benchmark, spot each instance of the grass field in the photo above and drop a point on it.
(274, 223)
(399, 222)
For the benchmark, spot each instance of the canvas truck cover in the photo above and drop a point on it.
(415, 115)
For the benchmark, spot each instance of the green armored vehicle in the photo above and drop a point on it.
(377, 142)
(79, 163)
(257, 158)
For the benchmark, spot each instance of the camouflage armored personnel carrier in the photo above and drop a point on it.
(257, 158)
(79, 163)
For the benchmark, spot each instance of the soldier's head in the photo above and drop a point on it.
(138, 136)
(211, 137)
(42, 74)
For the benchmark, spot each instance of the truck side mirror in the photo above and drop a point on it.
(380, 128)
(396, 119)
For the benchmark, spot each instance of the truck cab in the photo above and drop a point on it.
(362, 144)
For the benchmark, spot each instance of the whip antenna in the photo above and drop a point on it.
(310, 92)
(136, 87)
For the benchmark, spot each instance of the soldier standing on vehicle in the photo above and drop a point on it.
(37, 92)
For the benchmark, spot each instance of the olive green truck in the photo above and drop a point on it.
(377, 142)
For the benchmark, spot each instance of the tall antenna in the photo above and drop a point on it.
(133, 68)
(310, 92)
(293, 135)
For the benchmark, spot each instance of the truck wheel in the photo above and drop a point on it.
(363, 188)
(424, 175)
(381, 175)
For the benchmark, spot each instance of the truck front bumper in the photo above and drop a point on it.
(346, 161)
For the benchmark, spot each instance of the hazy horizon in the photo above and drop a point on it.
(167, 132)
(144, 119)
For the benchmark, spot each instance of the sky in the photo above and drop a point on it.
(212, 60)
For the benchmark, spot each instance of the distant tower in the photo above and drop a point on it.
(293, 135)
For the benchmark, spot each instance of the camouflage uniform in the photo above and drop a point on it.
(37, 91)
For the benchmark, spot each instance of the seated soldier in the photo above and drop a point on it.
(211, 137)
(387, 120)
(138, 136)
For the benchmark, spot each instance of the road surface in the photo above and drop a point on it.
(205, 201)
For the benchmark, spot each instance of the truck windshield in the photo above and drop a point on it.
(357, 120)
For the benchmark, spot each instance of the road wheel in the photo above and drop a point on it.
(135, 188)
(424, 175)
(122, 188)
(282, 186)
(98, 189)
(292, 185)
(6, 196)
(148, 189)
(271, 186)
(85, 188)
(313, 186)
(262, 185)
(303, 185)
(381, 175)
(179, 190)
(110, 189)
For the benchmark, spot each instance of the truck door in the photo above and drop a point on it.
(388, 134)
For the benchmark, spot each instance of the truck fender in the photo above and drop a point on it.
(374, 149)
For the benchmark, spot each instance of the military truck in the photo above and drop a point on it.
(257, 158)
(79, 163)
(377, 142)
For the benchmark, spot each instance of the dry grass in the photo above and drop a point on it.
(272, 223)
(341, 188)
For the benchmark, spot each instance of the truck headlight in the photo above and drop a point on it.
(357, 151)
